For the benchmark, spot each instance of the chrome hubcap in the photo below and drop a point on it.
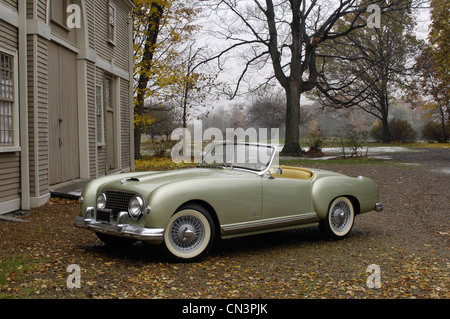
(186, 233)
(340, 216)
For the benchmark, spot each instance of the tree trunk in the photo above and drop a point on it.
(384, 110)
(386, 132)
(137, 142)
(444, 131)
(291, 144)
(152, 36)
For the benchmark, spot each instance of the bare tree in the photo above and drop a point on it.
(287, 34)
(368, 66)
(267, 109)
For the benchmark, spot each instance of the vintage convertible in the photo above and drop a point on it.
(236, 190)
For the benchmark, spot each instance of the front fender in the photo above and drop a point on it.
(232, 201)
(326, 189)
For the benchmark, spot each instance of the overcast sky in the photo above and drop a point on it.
(231, 72)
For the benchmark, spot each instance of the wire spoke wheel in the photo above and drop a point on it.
(186, 233)
(189, 234)
(340, 217)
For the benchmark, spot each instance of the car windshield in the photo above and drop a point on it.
(255, 157)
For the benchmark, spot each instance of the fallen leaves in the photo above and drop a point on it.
(409, 241)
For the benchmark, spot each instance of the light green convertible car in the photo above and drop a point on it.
(236, 190)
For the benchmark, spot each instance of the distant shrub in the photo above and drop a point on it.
(315, 138)
(377, 132)
(400, 130)
(433, 132)
(351, 140)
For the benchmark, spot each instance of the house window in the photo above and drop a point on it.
(7, 100)
(108, 84)
(99, 115)
(59, 12)
(112, 24)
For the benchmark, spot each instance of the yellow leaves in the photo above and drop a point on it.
(143, 121)
(158, 164)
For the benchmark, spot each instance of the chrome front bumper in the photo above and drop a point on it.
(153, 235)
(379, 207)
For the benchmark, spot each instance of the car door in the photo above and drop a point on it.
(286, 200)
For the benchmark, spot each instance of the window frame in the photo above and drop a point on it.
(99, 115)
(54, 16)
(15, 146)
(111, 35)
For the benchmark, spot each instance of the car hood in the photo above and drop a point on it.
(144, 183)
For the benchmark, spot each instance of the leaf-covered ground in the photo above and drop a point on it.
(408, 241)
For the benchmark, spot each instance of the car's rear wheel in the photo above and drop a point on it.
(339, 220)
(190, 233)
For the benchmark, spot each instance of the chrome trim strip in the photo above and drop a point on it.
(270, 223)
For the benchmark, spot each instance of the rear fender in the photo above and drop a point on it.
(326, 189)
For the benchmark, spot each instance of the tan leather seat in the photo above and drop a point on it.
(293, 172)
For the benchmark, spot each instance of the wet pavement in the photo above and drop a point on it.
(439, 157)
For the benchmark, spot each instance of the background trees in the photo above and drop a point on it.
(300, 46)
(289, 35)
(368, 66)
(161, 29)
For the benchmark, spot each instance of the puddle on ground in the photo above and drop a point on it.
(445, 170)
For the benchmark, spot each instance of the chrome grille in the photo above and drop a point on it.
(117, 201)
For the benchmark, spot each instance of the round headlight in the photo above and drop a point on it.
(101, 201)
(136, 207)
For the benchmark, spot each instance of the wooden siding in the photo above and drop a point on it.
(37, 48)
(120, 51)
(32, 100)
(42, 10)
(91, 17)
(9, 176)
(92, 135)
(30, 9)
(11, 3)
(9, 162)
(8, 35)
(125, 109)
(42, 113)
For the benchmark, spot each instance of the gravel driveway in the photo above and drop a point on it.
(407, 243)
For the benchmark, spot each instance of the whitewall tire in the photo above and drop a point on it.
(189, 234)
(339, 220)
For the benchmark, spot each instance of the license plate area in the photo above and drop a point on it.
(103, 216)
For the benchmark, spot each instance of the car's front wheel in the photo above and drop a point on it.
(190, 233)
(339, 220)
